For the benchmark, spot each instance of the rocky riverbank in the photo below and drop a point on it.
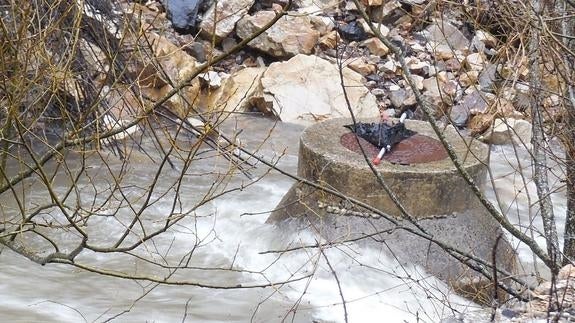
(474, 79)
(466, 71)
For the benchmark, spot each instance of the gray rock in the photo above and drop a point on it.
(183, 13)
(444, 39)
(487, 77)
(475, 102)
(402, 98)
(378, 92)
(459, 115)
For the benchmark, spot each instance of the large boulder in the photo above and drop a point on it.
(290, 36)
(237, 92)
(306, 89)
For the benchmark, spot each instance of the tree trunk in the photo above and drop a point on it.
(567, 30)
(539, 142)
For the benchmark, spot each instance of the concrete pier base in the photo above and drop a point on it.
(432, 192)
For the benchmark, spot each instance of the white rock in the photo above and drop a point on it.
(220, 19)
(290, 36)
(306, 89)
(372, 3)
(111, 124)
(389, 67)
(416, 47)
(417, 66)
(418, 81)
(475, 61)
(322, 4)
(212, 79)
(383, 30)
(508, 131)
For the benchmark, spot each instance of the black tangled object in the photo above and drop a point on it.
(381, 135)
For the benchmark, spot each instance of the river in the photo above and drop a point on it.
(230, 232)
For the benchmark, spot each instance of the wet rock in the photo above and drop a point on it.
(306, 89)
(220, 19)
(183, 13)
(376, 47)
(352, 31)
(290, 36)
(444, 39)
(110, 123)
(325, 157)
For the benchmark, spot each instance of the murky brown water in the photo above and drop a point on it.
(376, 287)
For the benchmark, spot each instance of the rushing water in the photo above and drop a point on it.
(231, 232)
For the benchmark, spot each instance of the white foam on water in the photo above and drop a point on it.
(508, 166)
(374, 285)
